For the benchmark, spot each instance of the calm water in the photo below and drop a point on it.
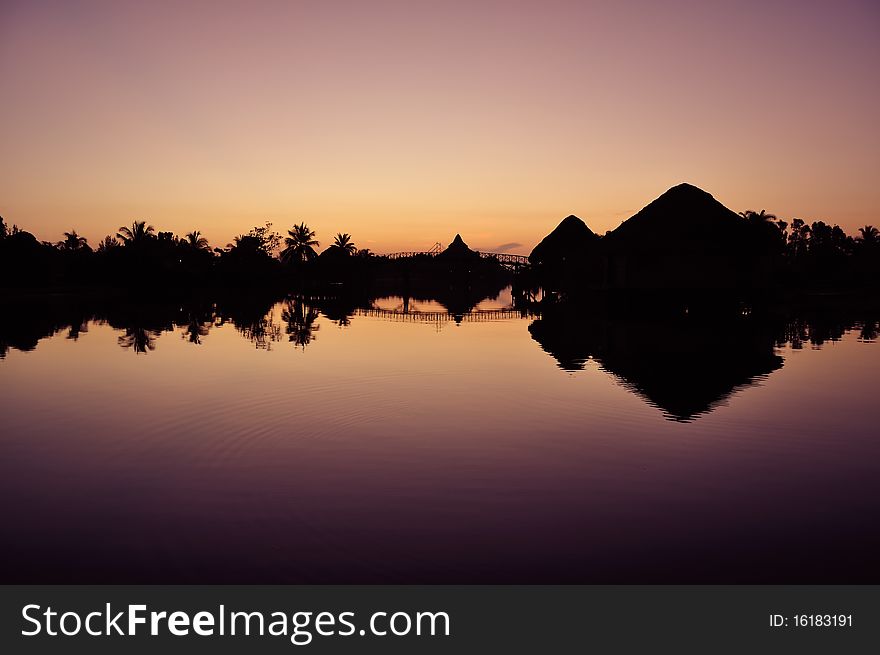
(306, 445)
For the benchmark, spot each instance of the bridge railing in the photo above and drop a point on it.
(504, 258)
(406, 254)
(435, 316)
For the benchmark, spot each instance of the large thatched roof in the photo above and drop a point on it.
(683, 218)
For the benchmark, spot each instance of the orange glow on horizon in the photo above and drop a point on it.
(404, 124)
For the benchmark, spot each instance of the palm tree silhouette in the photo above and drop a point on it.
(758, 217)
(869, 235)
(108, 243)
(196, 241)
(299, 245)
(344, 243)
(776, 230)
(138, 233)
(72, 242)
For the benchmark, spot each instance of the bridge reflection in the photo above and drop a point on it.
(440, 316)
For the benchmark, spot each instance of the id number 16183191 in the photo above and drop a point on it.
(811, 621)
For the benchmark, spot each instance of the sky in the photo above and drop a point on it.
(405, 122)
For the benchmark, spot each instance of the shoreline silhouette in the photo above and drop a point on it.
(685, 241)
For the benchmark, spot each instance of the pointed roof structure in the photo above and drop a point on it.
(571, 239)
(458, 249)
(683, 218)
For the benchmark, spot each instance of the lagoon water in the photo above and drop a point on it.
(305, 446)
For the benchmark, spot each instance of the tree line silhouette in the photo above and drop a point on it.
(140, 258)
(139, 254)
(819, 253)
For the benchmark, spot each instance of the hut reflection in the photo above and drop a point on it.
(686, 367)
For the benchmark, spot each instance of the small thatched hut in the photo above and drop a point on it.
(569, 255)
(458, 250)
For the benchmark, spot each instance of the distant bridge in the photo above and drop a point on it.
(505, 259)
(474, 316)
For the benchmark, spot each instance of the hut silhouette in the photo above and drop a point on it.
(458, 251)
(571, 254)
(685, 239)
(568, 241)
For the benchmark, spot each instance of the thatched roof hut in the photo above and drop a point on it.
(683, 219)
(686, 239)
(570, 241)
(458, 250)
(569, 257)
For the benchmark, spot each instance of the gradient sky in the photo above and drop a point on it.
(406, 122)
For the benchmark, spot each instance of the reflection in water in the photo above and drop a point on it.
(141, 325)
(262, 331)
(816, 329)
(139, 339)
(253, 317)
(503, 449)
(455, 301)
(300, 322)
(77, 327)
(22, 325)
(197, 324)
(684, 366)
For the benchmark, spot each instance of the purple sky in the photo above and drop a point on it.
(405, 122)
